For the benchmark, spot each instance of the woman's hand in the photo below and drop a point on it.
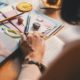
(33, 46)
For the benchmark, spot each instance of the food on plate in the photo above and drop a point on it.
(12, 33)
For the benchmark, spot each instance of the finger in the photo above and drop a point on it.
(41, 35)
(36, 34)
(23, 37)
(30, 38)
(26, 34)
(29, 35)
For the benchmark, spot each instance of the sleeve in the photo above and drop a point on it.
(29, 72)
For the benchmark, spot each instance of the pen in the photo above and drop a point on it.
(27, 24)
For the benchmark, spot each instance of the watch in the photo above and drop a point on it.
(41, 67)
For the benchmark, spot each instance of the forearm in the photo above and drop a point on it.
(29, 72)
(11, 66)
(8, 71)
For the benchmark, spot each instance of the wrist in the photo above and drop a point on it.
(32, 62)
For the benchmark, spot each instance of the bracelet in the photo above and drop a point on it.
(41, 67)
